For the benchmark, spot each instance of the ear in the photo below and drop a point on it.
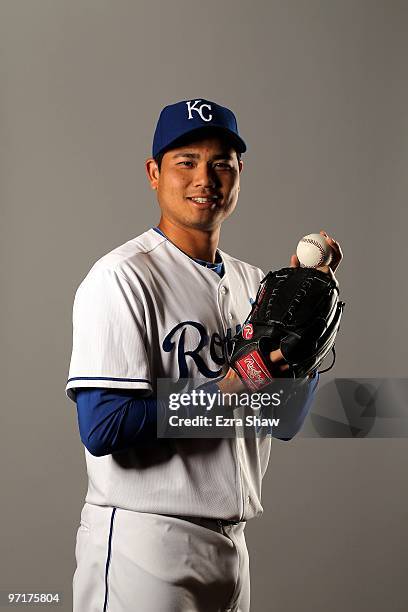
(152, 171)
(240, 165)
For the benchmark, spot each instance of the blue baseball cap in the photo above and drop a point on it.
(178, 120)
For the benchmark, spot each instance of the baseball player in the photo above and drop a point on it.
(162, 528)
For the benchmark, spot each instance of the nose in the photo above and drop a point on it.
(205, 177)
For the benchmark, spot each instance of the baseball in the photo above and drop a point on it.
(313, 251)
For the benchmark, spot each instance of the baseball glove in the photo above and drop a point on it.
(298, 311)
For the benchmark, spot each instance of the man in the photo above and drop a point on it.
(162, 528)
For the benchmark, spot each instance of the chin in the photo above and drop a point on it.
(204, 220)
(206, 226)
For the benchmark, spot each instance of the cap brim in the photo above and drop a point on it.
(236, 141)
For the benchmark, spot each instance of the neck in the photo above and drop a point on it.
(197, 243)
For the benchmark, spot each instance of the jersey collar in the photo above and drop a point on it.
(217, 267)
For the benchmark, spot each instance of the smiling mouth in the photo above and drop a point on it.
(204, 199)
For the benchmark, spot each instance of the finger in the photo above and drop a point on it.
(278, 361)
(332, 242)
(276, 356)
(294, 261)
(337, 254)
(325, 269)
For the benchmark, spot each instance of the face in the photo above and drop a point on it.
(198, 183)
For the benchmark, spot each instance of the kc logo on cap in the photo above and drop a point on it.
(191, 105)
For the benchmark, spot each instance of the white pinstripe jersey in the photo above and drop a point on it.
(146, 310)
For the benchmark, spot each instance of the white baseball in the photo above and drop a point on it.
(313, 251)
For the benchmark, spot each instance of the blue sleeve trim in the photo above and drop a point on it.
(141, 380)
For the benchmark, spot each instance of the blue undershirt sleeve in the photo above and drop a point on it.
(293, 414)
(111, 420)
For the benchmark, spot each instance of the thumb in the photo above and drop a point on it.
(294, 262)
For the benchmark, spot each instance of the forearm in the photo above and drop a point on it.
(291, 413)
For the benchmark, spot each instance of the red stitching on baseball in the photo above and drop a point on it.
(319, 246)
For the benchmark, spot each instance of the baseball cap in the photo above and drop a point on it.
(188, 116)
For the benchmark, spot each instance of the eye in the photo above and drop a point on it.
(224, 165)
(185, 163)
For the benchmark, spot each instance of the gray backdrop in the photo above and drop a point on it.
(320, 91)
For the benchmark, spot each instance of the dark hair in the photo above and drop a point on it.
(191, 138)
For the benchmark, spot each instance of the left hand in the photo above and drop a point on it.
(337, 255)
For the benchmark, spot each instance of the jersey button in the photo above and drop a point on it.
(230, 316)
(224, 290)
